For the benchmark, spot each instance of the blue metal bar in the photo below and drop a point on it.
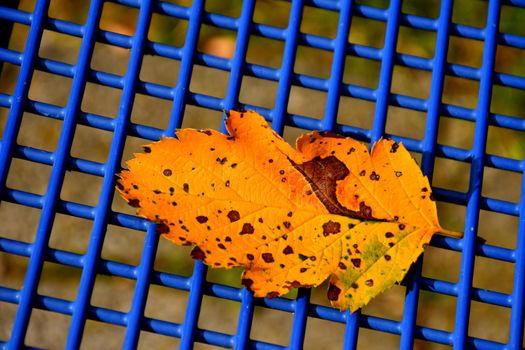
(144, 274)
(476, 178)
(164, 92)
(225, 22)
(338, 66)
(18, 101)
(238, 61)
(351, 330)
(518, 294)
(173, 329)
(231, 101)
(427, 164)
(102, 211)
(6, 27)
(57, 174)
(189, 327)
(300, 318)
(182, 283)
(382, 92)
(279, 112)
(182, 89)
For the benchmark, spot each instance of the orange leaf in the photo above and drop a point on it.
(291, 218)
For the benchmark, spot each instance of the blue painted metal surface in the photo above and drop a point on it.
(80, 310)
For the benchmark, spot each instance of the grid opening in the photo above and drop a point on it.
(110, 59)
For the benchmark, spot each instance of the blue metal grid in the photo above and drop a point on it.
(196, 285)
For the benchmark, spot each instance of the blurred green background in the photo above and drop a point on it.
(49, 330)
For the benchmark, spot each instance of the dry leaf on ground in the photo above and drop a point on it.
(290, 217)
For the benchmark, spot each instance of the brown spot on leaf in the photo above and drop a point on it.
(331, 227)
(197, 253)
(157, 191)
(201, 219)
(221, 246)
(374, 176)
(288, 250)
(233, 215)
(186, 187)
(247, 229)
(303, 270)
(402, 227)
(267, 257)
(289, 214)
(260, 220)
(227, 183)
(369, 282)
(365, 210)
(146, 149)
(394, 147)
(399, 173)
(287, 224)
(389, 235)
(302, 257)
(387, 257)
(362, 173)
(333, 292)
(135, 203)
(167, 172)
(424, 189)
(356, 262)
(342, 266)
(250, 257)
(351, 150)
(322, 174)
(272, 295)
(162, 228)
(247, 282)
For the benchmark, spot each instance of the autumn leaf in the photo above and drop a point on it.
(291, 217)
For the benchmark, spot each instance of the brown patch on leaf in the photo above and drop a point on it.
(247, 282)
(233, 215)
(333, 292)
(331, 227)
(198, 254)
(247, 229)
(201, 219)
(267, 257)
(135, 203)
(162, 228)
(288, 250)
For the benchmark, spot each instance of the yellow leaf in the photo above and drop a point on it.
(290, 217)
